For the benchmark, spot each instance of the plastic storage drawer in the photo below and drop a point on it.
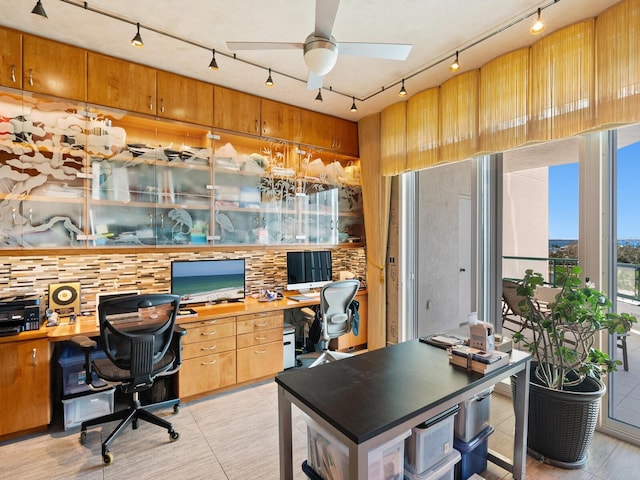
(443, 470)
(71, 361)
(430, 441)
(473, 416)
(474, 454)
(85, 407)
(329, 458)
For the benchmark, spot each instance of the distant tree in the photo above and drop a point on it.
(628, 254)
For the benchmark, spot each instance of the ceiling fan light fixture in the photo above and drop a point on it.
(353, 105)
(136, 41)
(320, 54)
(455, 66)
(39, 10)
(213, 65)
(269, 82)
(319, 96)
(403, 91)
(538, 26)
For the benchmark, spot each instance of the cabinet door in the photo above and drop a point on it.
(280, 120)
(24, 382)
(185, 99)
(317, 129)
(346, 135)
(318, 215)
(54, 68)
(121, 84)
(236, 111)
(10, 58)
(205, 374)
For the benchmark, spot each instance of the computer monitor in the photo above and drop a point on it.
(308, 269)
(208, 281)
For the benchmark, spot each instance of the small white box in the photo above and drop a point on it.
(329, 457)
(445, 469)
(86, 407)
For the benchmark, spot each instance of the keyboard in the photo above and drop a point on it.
(304, 298)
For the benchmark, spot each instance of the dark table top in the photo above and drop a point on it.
(364, 395)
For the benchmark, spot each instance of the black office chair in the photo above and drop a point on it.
(336, 316)
(142, 342)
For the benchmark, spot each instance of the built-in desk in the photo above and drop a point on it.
(366, 400)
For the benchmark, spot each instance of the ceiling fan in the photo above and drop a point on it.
(321, 49)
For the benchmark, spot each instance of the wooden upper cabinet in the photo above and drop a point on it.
(236, 111)
(280, 120)
(121, 84)
(317, 129)
(54, 68)
(346, 137)
(182, 98)
(10, 58)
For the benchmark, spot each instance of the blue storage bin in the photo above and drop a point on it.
(473, 453)
(73, 371)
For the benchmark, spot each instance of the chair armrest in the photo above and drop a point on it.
(178, 333)
(83, 342)
(87, 345)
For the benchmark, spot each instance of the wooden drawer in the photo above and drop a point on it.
(205, 374)
(209, 332)
(259, 361)
(259, 321)
(207, 347)
(259, 337)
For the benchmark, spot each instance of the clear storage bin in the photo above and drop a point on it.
(85, 407)
(430, 441)
(473, 416)
(443, 470)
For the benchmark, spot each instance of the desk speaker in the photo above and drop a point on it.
(64, 298)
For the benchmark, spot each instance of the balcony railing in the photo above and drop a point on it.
(628, 274)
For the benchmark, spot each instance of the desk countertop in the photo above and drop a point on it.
(363, 395)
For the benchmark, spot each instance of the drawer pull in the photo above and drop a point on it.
(260, 351)
(209, 363)
(33, 357)
(212, 347)
(209, 322)
(31, 77)
(13, 73)
(260, 338)
(209, 333)
(262, 325)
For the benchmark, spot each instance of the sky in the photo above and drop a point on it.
(563, 197)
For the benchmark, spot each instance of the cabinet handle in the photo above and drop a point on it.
(260, 352)
(260, 338)
(213, 347)
(257, 126)
(31, 77)
(209, 363)
(331, 225)
(150, 103)
(151, 220)
(162, 105)
(161, 220)
(209, 333)
(209, 322)
(13, 73)
(33, 357)
(260, 325)
(30, 216)
(13, 215)
(264, 127)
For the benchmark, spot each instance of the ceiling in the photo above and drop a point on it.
(435, 28)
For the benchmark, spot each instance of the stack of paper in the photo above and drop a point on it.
(477, 360)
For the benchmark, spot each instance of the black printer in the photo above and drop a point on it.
(19, 313)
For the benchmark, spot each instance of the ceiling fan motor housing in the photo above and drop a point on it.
(320, 54)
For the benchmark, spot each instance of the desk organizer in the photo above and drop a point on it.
(328, 458)
(443, 470)
(474, 454)
(430, 442)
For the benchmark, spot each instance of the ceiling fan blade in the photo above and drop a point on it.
(326, 11)
(393, 51)
(263, 45)
(314, 81)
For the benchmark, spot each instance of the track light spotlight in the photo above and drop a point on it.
(39, 10)
(319, 96)
(213, 65)
(353, 105)
(136, 41)
(402, 92)
(269, 82)
(455, 66)
(538, 26)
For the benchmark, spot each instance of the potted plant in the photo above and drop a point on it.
(565, 387)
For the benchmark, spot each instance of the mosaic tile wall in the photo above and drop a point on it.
(146, 271)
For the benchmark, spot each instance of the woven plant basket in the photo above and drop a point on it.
(562, 423)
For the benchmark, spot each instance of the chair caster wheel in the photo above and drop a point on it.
(107, 458)
(174, 436)
(83, 437)
(176, 408)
